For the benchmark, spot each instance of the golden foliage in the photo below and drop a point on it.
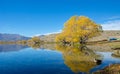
(78, 29)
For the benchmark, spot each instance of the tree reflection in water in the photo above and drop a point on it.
(79, 59)
(35, 46)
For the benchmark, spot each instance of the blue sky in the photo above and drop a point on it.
(31, 17)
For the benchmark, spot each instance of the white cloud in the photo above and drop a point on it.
(111, 25)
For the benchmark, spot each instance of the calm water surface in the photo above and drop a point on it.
(17, 59)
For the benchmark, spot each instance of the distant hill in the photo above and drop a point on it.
(12, 37)
(103, 36)
(51, 37)
(48, 38)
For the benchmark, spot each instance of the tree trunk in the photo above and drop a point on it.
(83, 40)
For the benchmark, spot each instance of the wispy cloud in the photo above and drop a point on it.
(49, 33)
(111, 25)
(114, 17)
(53, 32)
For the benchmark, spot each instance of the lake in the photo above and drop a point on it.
(53, 59)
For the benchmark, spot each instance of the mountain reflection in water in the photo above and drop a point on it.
(58, 60)
(11, 47)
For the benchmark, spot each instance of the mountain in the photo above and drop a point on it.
(12, 37)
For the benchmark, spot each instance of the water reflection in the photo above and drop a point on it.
(11, 47)
(80, 59)
(59, 60)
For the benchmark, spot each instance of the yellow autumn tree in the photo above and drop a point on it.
(34, 42)
(78, 29)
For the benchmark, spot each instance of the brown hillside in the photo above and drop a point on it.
(105, 35)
